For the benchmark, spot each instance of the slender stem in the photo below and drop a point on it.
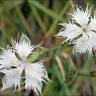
(58, 18)
(56, 48)
(38, 18)
(43, 8)
(23, 20)
(60, 67)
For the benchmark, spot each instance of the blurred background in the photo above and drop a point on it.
(40, 19)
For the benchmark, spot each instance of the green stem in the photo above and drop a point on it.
(23, 20)
(56, 48)
(59, 17)
(43, 8)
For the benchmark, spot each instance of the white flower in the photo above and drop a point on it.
(12, 77)
(23, 46)
(34, 76)
(81, 16)
(8, 58)
(85, 44)
(14, 63)
(71, 31)
(80, 31)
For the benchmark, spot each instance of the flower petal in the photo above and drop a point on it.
(85, 44)
(23, 48)
(12, 78)
(8, 59)
(71, 31)
(81, 16)
(92, 24)
(35, 74)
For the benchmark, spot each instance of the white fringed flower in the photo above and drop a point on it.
(14, 63)
(35, 76)
(8, 59)
(80, 31)
(12, 77)
(23, 46)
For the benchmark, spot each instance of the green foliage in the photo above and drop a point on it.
(37, 55)
(39, 19)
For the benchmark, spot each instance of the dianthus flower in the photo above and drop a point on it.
(80, 31)
(18, 70)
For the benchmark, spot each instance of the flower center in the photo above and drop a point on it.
(84, 29)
